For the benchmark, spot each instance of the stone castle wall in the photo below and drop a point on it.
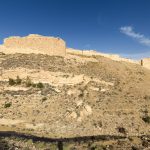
(37, 44)
(146, 63)
(95, 53)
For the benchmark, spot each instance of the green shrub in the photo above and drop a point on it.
(41, 145)
(7, 105)
(28, 82)
(146, 119)
(121, 130)
(11, 81)
(40, 85)
(15, 82)
(33, 85)
(18, 80)
(44, 99)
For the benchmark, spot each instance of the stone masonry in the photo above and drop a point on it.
(37, 43)
(146, 63)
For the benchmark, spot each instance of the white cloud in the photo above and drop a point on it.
(128, 30)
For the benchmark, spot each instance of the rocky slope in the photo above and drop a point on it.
(72, 96)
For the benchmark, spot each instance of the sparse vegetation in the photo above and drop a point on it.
(40, 145)
(28, 82)
(7, 105)
(18, 80)
(11, 82)
(33, 85)
(44, 99)
(45, 103)
(4, 145)
(146, 119)
(121, 130)
(145, 112)
(40, 85)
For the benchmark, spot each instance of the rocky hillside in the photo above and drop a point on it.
(72, 96)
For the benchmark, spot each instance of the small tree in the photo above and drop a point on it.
(7, 105)
(18, 80)
(11, 81)
(146, 119)
(34, 85)
(28, 82)
(40, 85)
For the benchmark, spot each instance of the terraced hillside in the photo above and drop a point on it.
(61, 97)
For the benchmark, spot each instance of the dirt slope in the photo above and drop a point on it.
(77, 96)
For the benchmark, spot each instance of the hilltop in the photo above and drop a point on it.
(73, 96)
(38, 44)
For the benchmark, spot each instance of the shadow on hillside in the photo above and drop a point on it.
(46, 139)
(60, 141)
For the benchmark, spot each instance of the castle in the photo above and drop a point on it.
(39, 44)
(34, 43)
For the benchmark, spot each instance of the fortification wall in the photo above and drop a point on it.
(95, 53)
(36, 44)
(146, 63)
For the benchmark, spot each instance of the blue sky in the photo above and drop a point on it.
(109, 26)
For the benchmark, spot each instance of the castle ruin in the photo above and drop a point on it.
(39, 44)
(34, 43)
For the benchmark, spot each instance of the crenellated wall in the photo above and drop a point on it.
(36, 44)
